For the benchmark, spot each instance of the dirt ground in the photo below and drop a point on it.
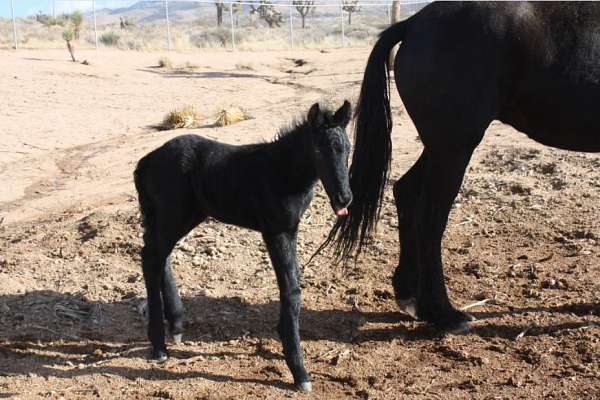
(524, 235)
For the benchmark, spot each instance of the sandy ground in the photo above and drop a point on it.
(524, 235)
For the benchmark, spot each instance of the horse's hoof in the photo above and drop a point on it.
(304, 387)
(409, 306)
(159, 356)
(458, 322)
(177, 338)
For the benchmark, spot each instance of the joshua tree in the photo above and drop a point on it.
(268, 13)
(350, 6)
(235, 9)
(304, 7)
(220, 7)
(69, 35)
(77, 21)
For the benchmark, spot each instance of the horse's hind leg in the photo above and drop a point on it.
(406, 276)
(443, 171)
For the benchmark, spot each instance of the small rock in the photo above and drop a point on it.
(197, 261)
(187, 248)
(549, 283)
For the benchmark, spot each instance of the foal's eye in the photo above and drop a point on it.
(337, 148)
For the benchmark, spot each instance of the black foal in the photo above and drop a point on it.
(265, 187)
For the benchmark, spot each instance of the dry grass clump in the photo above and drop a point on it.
(244, 66)
(184, 117)
(165, 62)
(190, 65)
(229, 116)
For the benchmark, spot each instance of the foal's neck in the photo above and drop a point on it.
(294, 161)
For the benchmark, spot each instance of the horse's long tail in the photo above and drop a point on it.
(372, 149)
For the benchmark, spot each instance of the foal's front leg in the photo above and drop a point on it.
(282, 250)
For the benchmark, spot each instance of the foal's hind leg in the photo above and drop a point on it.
(153, 260)
(160, 237)
(173, 306)
(406, 276)
(282, 250)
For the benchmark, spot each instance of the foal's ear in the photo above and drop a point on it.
(343, 115)
(315, 116)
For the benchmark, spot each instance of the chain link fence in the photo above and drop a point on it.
(186, 25)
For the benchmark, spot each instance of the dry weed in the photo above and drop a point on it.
(184, 117)
(229, 116)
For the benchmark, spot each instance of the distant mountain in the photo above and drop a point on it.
(189, 11)
(152, 11)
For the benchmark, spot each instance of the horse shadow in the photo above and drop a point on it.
(183, 73)
(54, 327)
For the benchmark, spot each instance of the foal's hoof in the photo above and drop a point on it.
(304, 387)
(177, 338)
(408, 306)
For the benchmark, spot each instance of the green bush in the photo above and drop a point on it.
(109, 38)
(212, 38)
(48, 20)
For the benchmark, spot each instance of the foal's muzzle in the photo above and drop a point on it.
(340, 203)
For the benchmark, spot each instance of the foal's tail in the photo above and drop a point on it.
(373, 147)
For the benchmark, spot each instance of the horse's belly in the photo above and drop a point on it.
(558, 113)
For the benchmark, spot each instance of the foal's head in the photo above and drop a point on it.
(330, 151)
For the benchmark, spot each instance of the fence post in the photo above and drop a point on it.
(395, 18)
(342, 19)
(291, 25)
(232, 28)
(12, 6)
(95, 27)
(168, 25)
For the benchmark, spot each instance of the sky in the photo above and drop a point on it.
(31, 7)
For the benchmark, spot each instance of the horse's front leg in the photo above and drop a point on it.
(282, 250)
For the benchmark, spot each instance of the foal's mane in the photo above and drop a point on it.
(299, 125)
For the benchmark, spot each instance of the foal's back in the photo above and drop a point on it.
(239, 185)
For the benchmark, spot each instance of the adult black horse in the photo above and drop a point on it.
(535, 66)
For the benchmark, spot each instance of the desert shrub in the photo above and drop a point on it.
(190, 65)
(165, 62)
(231, 115)
(211, 38)
(184, 117)
(49, 20)
(359, 34)
(109, 38)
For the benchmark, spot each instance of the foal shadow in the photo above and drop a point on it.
(64, 335)
(43, 331)
(53, 366)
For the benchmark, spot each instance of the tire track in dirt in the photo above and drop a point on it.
(69, 162)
